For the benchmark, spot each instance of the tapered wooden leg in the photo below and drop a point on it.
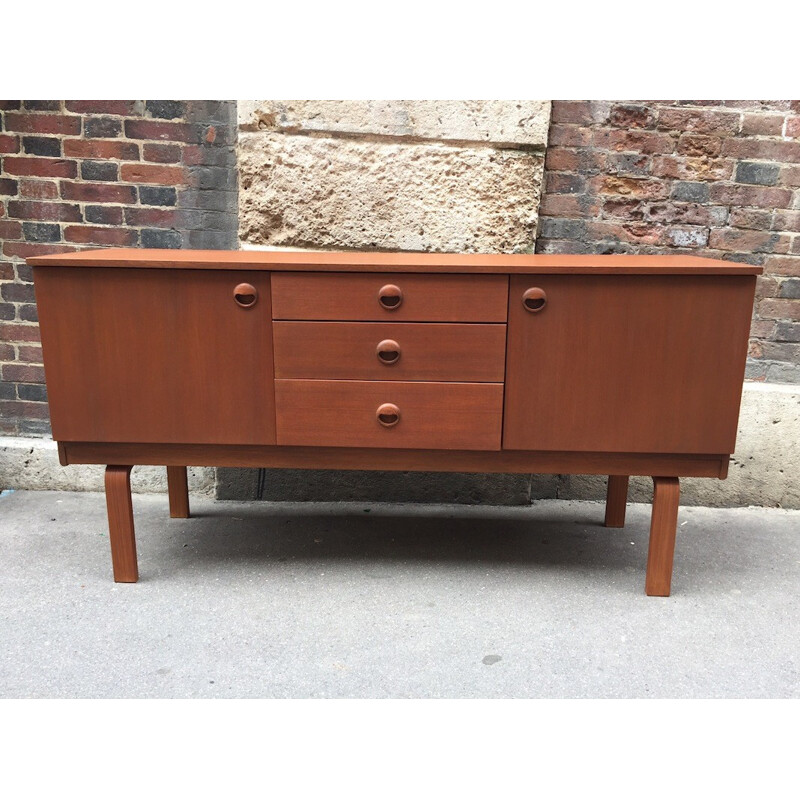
(120, 524)
(178, 487)
(663, 525)
(616, 500)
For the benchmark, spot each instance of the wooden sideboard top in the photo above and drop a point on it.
(356, 261)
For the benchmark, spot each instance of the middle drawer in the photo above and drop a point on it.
(427, 351)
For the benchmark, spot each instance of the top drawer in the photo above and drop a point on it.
(389, 296)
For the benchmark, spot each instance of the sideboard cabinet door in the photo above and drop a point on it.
(632, 364)
(157, 355)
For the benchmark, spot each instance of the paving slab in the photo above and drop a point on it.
(316, 600)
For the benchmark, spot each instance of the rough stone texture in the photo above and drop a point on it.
(333, 193)
(27, 463)
(374, 487)
(518, 123)
(764, 470)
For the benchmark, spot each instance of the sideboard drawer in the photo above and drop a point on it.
(443, 416)
(383, 351)
(392, 297)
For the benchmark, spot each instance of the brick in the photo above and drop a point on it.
(787, 332)
(748, 241)
(636, 164)
(9, 144)
(10, 409)
(687, 236)
(556, 228)
(7, 311)
(634, 140)
(699, 121)
(698, 145)
(759, 328)
(18, 293)
(43, 123)
(569, 136)
(632, 116)
(28, 313)
(163, 153)
(42, 167)
(102, 127)
(98, 192)
(10, 105)
(571, 111)
(624, 209)
(568, 205)
(6, 354)
(790, 176)
(99, 171)
(6, 271)
(98, 148)
(28, 249)
(634, 187)
(150, 217)
(692, 169)
(42, 146)
(53, 212)
(24, 273)
(790, 288)
(121, 108)
(42, 105)
(164, 131)
(35, 392)
(214, 178)
(755, 219)
(757, 173)
(793, 127)
(226, 240)
(10, 230)
(152, 173)
(30, 353)
(86, 234)
(783, 265)
(690, 192)
(8, 187)
(41, 232)
(103, 215)
(157, 196)
(561, 158)
(198, 155)
(559, 183)
(636, 232)
(762, 149)
(161, 239)
(781, 351)
(38, 190)
(787, 221)
(166, 109)
(762, 124)
(760, 196)
(23, 373)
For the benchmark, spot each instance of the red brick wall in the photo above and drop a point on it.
(717, 178)
(75, 174)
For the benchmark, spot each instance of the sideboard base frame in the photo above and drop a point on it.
(666, 487)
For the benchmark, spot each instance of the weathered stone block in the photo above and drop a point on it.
(521, 123)
(320, 192)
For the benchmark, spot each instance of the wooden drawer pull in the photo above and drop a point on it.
(390, 297)
(245, 295)
(388, 415)
(534, 299)
(388, 352)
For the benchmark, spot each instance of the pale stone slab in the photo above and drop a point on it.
(519, 123)
(301, 191)
(33, 464)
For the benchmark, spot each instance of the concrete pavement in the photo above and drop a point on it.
(364, 600)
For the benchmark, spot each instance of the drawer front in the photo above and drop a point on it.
(380, 351)
(436, 416)
(391, 297)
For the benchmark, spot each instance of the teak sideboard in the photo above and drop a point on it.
(617, 365)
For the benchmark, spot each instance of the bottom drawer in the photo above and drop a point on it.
(430, 416)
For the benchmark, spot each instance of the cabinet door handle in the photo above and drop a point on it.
(245, 295)
(388, 352)
(534, 299)
(388, 415)
(390, 297)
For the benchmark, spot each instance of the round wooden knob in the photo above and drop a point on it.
(534, 299)
(388, 352)
(245, 295)
(390, 297)
(388, 415)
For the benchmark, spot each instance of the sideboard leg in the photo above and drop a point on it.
(663, 525)
(616, 500)
(120, 524)
(178, 488)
